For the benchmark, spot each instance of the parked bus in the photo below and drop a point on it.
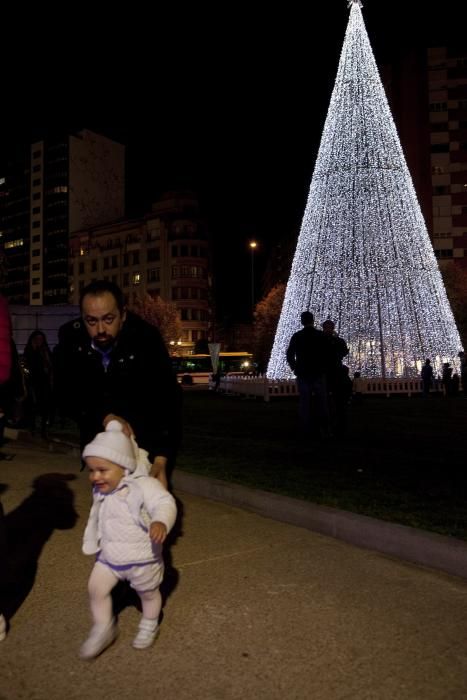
(197, 369)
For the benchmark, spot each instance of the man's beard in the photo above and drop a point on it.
(104, 343)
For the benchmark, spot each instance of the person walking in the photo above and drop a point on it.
(307, 357)
(129, 521)
(112, 365)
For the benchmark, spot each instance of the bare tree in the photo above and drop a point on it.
(159, 313)
(455, 280)
(267, 314)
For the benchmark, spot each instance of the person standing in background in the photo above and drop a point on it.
(5, 362)
(427, 377)
(339, 384)
(5, 373)
(39, 376)
(307, 358)
(463, 360)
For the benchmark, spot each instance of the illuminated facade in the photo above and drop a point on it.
(165, 253)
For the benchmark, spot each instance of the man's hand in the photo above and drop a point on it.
(157, 532)
(158, 470)
(126, 427)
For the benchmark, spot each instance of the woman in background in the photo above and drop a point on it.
(39, 378)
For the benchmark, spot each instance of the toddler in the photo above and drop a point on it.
(129, 520)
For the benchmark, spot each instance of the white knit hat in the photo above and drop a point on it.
(113, 445)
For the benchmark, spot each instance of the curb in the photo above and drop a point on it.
(53, 444)
(446, 554)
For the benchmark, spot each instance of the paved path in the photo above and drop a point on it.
(260, 609)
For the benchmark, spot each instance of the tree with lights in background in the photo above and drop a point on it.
(364, 258)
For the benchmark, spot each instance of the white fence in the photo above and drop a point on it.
(392, 386)
(267, 389)
(258, 386)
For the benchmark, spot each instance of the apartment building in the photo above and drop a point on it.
(165, 253)
(49, 189)
(447, 84)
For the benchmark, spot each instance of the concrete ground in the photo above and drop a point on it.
(257, 609)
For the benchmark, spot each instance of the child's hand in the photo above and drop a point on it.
(157, 532)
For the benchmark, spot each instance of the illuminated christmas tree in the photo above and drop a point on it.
(364, 258)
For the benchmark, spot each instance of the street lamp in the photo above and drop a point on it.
(253, 246)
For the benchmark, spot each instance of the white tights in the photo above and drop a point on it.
(101, 583)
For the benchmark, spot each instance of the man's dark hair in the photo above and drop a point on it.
(307, 318)
(101, 287)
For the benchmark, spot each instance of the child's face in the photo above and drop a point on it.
(104, 475)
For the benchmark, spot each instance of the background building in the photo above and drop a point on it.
(165, 253)
(427, 90)
(48, 190)
(447, 83)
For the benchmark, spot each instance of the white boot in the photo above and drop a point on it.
(2, 628)
(147, 632)
(101, 636)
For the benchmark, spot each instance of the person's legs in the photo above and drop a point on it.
(103, 632)
(322, 406)
(151, 602)
(101, 583)
(146, 581)
(304, 403)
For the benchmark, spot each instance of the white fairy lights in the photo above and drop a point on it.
(364, 257)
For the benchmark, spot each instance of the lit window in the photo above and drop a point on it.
(15, 244)
(136, 278)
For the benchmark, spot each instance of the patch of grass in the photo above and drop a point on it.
(404, 459)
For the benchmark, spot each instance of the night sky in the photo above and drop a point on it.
(228, 102)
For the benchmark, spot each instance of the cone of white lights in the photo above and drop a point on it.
(364, 258)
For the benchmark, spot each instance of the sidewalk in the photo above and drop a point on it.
(447, 554)
(259, 609)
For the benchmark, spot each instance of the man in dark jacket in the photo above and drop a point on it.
(113, 365)
(306, 356)
(339, 384)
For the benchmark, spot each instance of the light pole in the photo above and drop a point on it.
(253, 246)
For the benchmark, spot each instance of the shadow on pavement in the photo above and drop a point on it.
(27, 529)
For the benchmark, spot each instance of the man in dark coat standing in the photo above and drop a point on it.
(112, 365)
(306, 356)
(339, 384)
